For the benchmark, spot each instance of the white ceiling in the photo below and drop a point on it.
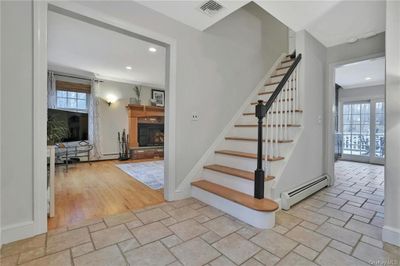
(188, 12)
(349, 20)
(361, 74)
(332, 22)
(78, 45)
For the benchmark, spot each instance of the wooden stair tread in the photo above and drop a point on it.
(254, 139)
(280, 68)
(234, 171)
(264, 205)
(274, 112)
(255, 125)
(247, 155)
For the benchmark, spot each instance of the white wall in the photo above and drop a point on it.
(365, 93)
(391, 229)
(307, 159)
(114, 118)
(216, 69)
(16, 115)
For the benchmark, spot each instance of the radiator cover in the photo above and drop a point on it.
(289, 198)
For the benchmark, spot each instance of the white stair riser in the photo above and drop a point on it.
(251, 108)
(230, 181)
(251, 119)
(286, 64)
(262, 220)
(246, 163)
(251, 132)
(251, 146)
(281, 71)
(275, 79)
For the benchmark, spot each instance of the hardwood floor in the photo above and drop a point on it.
(97, 190)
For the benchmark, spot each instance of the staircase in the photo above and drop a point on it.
(252, 155)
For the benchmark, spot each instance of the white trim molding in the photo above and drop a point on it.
(113, 23)
(391, 235)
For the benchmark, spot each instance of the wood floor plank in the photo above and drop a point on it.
(97, 190)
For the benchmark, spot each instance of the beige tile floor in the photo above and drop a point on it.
(340, 225)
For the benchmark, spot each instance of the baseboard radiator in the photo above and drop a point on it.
(289, 198)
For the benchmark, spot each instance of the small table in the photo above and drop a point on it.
(73, 150)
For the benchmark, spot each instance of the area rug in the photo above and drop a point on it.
(149, 173)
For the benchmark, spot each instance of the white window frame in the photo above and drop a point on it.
(73, 109)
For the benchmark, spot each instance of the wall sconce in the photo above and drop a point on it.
(110, 98)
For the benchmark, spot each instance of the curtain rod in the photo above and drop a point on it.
(75, 77)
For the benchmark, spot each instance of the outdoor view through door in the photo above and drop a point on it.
(363, 129)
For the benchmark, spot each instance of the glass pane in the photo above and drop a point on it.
(346, 109)
(365, 129)
(61, 93)
(365, 118)
(71, 94)
(379, 107)
(81, 104)
(355, 119)
(380, 130)
(71, 103)
(355, 108)
(346, 129)
(365, 108)
(346, 119)
(61, 102)
(81, 96)
(355, 128)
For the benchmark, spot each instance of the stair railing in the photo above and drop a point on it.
(279, 112)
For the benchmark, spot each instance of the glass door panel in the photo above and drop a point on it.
(379, 130)
(356, 128)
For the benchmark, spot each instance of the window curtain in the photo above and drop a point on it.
(51, 91)
(94, 117)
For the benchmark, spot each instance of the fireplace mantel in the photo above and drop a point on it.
(139, 111)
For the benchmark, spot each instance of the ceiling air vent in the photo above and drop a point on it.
(211, 7)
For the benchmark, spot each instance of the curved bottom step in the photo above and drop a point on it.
(259, 219)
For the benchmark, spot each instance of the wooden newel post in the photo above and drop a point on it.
(259, 174)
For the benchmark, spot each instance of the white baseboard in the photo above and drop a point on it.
(391, 235)
(16, 232)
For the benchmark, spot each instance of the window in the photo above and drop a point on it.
(379, 129)
(356, 128)
(72, 100)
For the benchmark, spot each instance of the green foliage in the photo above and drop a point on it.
(138, 92)
(57, 130)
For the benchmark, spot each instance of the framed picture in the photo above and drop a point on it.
(158, 96)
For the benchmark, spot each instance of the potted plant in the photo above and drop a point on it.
(138, 92)
(57, 130)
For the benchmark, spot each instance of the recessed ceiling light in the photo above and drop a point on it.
(152, 49)
(128, 67)
(368, 78)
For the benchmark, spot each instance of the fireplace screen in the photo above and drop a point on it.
(150, 135)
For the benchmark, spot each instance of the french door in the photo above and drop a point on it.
(363, 125)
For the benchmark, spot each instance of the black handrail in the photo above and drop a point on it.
(261, 111)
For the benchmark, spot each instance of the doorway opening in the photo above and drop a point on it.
(108, 94)
(360, 111)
